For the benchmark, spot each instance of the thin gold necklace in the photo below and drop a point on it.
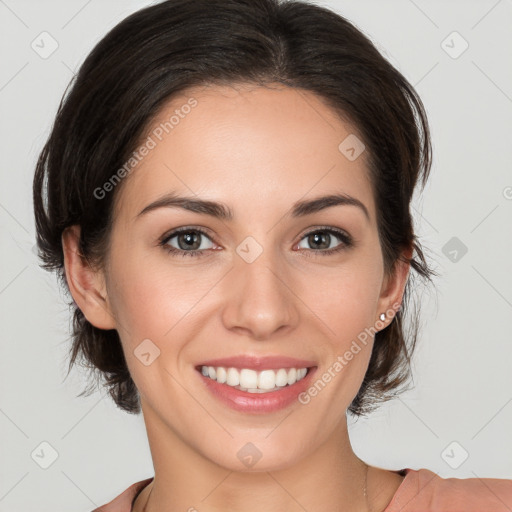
(364, 490)
(365, 487)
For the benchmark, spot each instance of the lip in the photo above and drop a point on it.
(256, 403)
(258, 362)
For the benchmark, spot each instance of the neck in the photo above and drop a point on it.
(330, 478)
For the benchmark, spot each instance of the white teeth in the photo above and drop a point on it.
(292, 376)
(282, 377)
(266, 379)
(233, 377)
(249, 379)
(221, 375)
(252, 381)
(257, 390)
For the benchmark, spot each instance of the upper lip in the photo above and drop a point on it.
(259, 362)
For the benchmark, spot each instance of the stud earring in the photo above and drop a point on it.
(382, 317)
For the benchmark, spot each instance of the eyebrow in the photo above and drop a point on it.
(222, 211)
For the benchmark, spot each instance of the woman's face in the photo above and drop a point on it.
(263, 283)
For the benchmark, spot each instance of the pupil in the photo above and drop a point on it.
(317, 238)
(190, 240)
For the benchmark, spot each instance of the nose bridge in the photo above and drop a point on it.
(259, 300)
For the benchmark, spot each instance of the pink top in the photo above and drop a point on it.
(421, 490)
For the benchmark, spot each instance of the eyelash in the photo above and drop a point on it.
(346, 240)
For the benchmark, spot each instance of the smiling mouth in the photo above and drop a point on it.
(254, 381)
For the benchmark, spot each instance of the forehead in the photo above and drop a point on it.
(245, 145)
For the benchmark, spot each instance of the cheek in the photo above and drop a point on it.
(150, 305)
(152, 299)
(345, 298)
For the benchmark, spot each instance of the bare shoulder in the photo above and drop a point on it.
(382, 486)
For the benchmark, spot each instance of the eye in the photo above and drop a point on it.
(189, 242)
(321, 241)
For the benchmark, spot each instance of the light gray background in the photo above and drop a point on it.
(463, 383)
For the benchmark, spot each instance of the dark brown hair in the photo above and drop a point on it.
(164, 49)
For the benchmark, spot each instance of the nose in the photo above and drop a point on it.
(259, 298)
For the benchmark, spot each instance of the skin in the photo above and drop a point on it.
(258, 150)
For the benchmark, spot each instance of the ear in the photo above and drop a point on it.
(393, 288)
(87, 286)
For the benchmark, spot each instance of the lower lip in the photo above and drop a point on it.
(244, 401)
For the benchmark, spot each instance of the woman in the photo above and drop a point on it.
(226, 195)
